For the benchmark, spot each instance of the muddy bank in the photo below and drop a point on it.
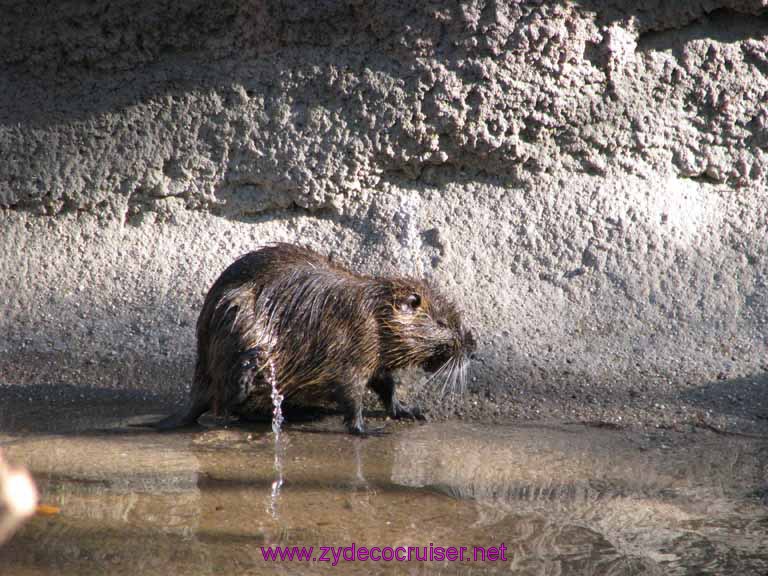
(725, 405)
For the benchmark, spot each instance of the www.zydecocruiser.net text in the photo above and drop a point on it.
(355, 553)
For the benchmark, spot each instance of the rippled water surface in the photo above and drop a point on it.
(561, 499)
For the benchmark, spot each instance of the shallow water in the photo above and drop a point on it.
(562, 499)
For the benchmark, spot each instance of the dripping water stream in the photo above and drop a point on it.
(277, 422)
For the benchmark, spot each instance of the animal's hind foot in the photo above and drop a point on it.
(402, 412)
(363, 432)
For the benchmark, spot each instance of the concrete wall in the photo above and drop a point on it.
(589, 180)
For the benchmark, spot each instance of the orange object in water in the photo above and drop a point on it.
(46, 510)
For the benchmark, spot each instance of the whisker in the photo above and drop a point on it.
(450, 377)
(437, 373)
(457, 377)
(449, 366)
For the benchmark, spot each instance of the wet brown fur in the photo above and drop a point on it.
(320, 330)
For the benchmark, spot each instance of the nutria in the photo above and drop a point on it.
(287, 314)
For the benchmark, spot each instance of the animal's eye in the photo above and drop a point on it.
(412, 302)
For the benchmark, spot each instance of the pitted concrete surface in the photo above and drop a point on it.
(587, 179)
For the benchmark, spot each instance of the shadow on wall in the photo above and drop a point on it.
(77, 76)
(267, 105)
(132, 55)
(694, 20)
(723, 25)
(67, 408)
(745, 397)
(136, 375)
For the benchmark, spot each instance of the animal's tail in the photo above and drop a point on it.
(199, 404)
(184, 418)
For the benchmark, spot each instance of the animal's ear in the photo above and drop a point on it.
(410, 303)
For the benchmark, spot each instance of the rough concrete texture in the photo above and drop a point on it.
(587, 179)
